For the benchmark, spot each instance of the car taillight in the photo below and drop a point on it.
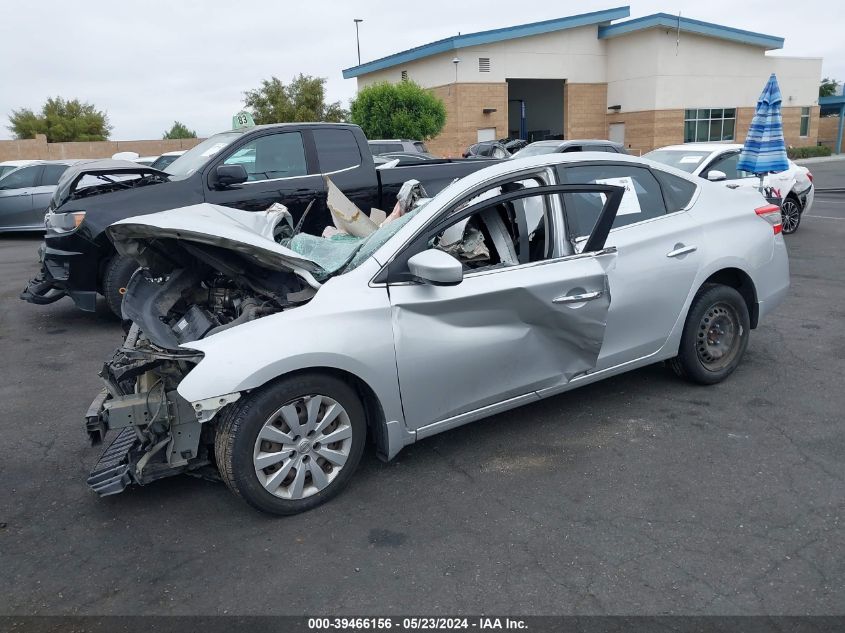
(810, 176)
(771, 214)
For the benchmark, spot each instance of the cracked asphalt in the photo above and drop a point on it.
(638, 495)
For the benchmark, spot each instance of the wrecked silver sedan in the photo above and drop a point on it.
(269, 356)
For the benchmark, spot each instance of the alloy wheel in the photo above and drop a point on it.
(302, 447)
(790, 215)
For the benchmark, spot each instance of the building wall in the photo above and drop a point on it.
(828, 129)
(648, 70)
(464, 115)
(39, 149)
(653, 75)
(574, 54)
(585, 106)
(649, 129)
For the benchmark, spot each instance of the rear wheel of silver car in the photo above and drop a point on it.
(715, 336)
(115, 278)
(291, 445)
(790, 213)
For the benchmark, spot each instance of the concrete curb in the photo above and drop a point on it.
(820, 159)
(831, 190)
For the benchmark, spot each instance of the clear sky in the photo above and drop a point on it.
(149, 62)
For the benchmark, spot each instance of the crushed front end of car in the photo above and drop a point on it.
(158, 431)
(205, 269)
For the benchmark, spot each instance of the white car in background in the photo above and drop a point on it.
(165, 159)
(10, 165)
(717, 162)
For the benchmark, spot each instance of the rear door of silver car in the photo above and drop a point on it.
(658, 252)
(525, 316)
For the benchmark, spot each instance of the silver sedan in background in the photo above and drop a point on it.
(25, 194)
(274, 361)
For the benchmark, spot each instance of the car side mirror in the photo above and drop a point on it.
(436, 267)
(228, 175)
(714, 175)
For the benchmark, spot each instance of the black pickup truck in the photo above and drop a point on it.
(248, 168)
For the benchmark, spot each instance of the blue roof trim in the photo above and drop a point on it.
(769, 42)
(488, 37)
(832, 100)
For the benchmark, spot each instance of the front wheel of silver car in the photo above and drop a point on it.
(790, 213)
(291, 445)
(715, 336)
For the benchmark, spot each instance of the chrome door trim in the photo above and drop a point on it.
(683, 250)
(579, 298)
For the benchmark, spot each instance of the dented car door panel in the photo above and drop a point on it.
(500, 333)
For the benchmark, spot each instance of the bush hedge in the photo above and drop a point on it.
(808, 152)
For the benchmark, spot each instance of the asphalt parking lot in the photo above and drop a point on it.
(638, 495)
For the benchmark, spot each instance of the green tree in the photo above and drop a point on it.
(401, 110)
(828, 87)
(303, 99)
(61, 121)
(179, 130)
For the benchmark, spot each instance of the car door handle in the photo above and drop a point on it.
(733, 186)
(680, 249)
(580, 298)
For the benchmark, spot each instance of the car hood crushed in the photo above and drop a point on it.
(252, 234)
(205, 268)
(94, 177)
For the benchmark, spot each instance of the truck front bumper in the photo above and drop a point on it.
(52, 283)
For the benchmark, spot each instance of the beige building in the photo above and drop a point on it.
(646, 82)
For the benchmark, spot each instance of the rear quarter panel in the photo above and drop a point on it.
(735, 237)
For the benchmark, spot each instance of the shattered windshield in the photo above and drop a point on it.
(199, 155)
(354, 236)
(342, 252)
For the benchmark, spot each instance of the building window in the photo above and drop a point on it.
(404, 75)
(709, 124)
(484, 64)
(805, 121)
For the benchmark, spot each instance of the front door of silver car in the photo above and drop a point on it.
(658, 258)
(525, 316)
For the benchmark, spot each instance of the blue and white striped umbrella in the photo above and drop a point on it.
(765, 150)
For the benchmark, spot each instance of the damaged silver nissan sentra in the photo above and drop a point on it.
(268, 356)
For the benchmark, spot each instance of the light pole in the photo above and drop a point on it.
(358, 39)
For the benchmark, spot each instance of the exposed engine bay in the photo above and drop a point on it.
(203, 269)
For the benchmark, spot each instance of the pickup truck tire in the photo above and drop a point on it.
(115, 277)
(715, 336)
(293, 444)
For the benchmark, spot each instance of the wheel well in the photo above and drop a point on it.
(742, 283)
(372, 407)
(101, 267)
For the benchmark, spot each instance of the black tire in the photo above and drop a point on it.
(237, 435)
(790, 211)
(715, 336)
(115, 277)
